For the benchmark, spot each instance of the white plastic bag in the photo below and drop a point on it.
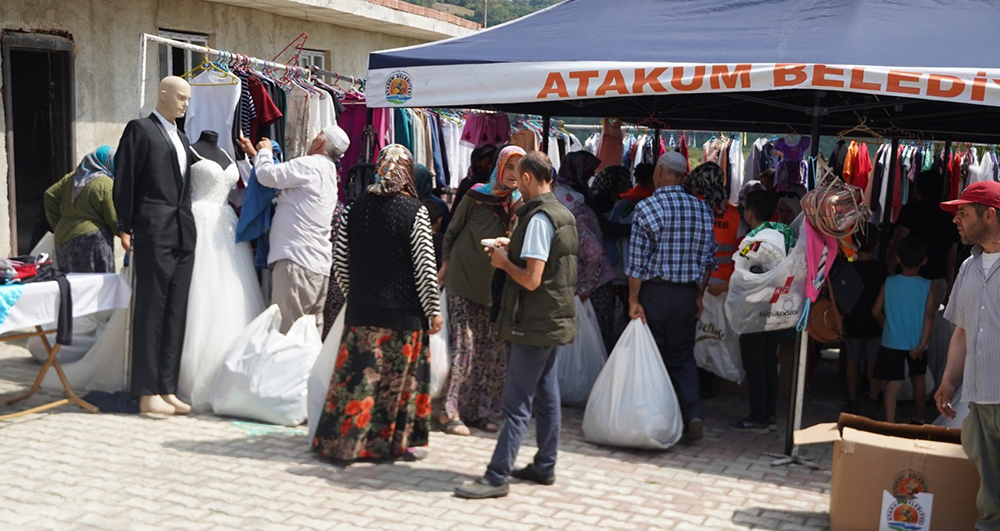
(440, 354)
(768, 301)
(265, 374)
(580, 362)
(717, 346)
(322, 371)
(633, 403)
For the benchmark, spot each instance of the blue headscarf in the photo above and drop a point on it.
(93, 165)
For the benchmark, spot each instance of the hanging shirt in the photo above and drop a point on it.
(266, 111)
(297, 122)
(214, 99)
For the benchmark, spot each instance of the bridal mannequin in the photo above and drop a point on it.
(153, 200)
(207, 147)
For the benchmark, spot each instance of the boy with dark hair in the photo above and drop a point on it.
(759, 350)
(862, 332)
(905, 307)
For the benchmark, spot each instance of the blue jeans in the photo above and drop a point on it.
(532, 386)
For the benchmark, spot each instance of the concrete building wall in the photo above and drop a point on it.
(106, 34)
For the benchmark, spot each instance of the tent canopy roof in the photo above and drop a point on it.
(926, 68)
(928, 33)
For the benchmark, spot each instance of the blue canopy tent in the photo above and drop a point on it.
(923, 69)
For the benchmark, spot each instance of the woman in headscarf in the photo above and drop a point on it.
(608, 187)
(80, 209)
(478, 356)
(378, 406)
(595, 277)
(707, 182)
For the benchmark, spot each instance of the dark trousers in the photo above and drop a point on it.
(162, 281)
(670, 314)
(759, 352)
(532, 386)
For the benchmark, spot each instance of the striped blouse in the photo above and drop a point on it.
(422, 249)
(975, 307)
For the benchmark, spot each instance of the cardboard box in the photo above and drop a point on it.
(865, 464)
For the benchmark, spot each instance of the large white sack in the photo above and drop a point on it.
(633, 403)
(717, 345)
(440, 354)
(265, 374)
(322, 371)
(580, 362)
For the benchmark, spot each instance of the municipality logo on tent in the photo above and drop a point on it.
(398, 87)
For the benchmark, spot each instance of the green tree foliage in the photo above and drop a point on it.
(500, 11)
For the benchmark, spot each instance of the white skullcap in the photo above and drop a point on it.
(674, 161)
(336, 138)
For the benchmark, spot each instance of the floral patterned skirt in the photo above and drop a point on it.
(378, 404)
(478, 363)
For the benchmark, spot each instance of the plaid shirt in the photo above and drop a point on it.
(673, 238)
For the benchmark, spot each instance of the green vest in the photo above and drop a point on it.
(545, 317)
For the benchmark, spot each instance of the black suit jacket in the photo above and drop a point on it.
(152, 193)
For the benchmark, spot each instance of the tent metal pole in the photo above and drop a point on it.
(546, 129)
(656, 144)
(802, 339)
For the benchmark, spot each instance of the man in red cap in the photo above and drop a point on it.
(974, 308)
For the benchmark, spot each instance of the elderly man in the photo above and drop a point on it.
(974, 308)
(301, 253)
(671, 257)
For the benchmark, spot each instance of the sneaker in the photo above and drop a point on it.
(695, 430)
(745, 424)
(530, 473)
(481, 489)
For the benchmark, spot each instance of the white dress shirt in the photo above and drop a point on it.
(171, 128)
(300, 229)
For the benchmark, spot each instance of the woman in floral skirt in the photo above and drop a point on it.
(378, 406)
(478, 356)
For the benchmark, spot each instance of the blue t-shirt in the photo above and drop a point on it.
(905, 302)
(538, 238)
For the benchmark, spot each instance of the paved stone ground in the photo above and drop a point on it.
(66, 469)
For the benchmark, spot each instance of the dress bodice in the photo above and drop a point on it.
(210, 183)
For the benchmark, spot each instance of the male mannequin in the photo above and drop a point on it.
(207, 147)
(153, 200)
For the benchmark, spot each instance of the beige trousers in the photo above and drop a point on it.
(297, 292)
(981, 441)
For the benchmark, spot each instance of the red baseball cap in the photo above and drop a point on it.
(981, 193)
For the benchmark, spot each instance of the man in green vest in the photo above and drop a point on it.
(537, 314)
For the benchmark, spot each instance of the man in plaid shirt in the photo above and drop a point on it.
(671, 257)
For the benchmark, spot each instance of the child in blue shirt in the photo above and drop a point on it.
(905, 308)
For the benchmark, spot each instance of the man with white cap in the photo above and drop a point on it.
(301, 252)
(671, 257)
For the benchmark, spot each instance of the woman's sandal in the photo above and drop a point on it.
(454, 426)
(488, 426)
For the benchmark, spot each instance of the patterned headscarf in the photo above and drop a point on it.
(394, 172)
(93, 165)
(707, 181)
(575, 170)
(609, 184)
(495, 186)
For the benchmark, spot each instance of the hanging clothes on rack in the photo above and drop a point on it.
(215, 97)
(792, 169)
(486, 128)
(611, 148)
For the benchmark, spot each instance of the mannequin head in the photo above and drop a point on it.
(174, 98)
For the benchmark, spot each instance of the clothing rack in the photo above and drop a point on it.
(255, 62)
(359, 81)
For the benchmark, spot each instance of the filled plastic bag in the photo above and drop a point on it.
(322, 371)
(774, 300)
(717, 346)
(265, 375)
(580, 362)
(440, 354)
(633, 403)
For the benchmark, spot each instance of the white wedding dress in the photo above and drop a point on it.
(225, 293)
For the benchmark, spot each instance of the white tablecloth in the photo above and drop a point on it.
(92, 293)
